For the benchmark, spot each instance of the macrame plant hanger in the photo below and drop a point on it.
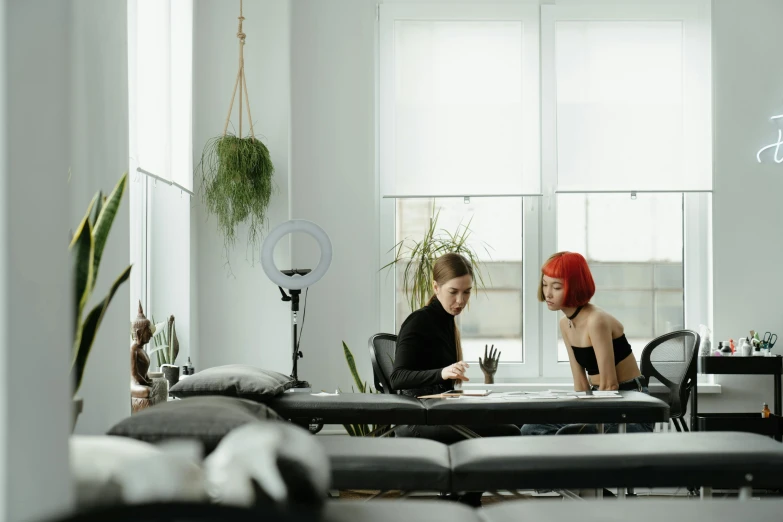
(240, 83)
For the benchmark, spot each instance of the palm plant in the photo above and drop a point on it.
(420, 256)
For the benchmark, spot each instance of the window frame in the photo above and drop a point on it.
(539, 213)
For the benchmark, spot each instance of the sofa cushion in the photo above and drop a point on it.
(206, 419)
(234, 380)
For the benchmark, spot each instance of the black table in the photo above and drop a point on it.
(365, 408)
(631, 407)
(748, 421)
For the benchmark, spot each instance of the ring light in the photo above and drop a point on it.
(282, 230)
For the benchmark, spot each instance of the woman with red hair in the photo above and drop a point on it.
(598, 352)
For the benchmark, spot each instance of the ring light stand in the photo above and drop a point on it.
(296, 279)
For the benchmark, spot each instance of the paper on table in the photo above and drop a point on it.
(324, 394)
(614, 396)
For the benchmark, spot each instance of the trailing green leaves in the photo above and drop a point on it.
(236, 185)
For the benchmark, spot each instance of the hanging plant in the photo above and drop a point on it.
(236, 171)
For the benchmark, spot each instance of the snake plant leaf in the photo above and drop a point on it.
(90, 329)
(173, 341)
(352, 366)
(104, 222)
(99, 200)
(81, 256)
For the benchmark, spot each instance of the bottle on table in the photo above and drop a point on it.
(765, 411)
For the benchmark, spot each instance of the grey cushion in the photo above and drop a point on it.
(207, 419)
(234, 380)
(387, 463)
(717, 459)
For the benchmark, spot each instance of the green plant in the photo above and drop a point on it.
(420, 256)
(236, 183)
(358, 430)
(164, 343)
(86, 248)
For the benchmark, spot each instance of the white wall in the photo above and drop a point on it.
(99, 156)
(239, 318)
(747, 212)
(333, 180)
(35, 303)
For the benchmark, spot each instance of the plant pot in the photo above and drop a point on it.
(171, 373)
(76, 409)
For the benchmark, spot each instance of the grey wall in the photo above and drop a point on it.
(239, 318)
(747, 214)
(35, 304)
(99, 156)
(333, 180)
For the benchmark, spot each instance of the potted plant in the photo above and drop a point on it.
(420, 256)
(165, 346)
(357, 430)
(87, 246)
(236, 171)
(236, 184)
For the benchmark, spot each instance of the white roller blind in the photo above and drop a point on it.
(633, 100)
(160, 59)
(459, 100)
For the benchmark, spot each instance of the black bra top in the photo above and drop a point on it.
(586, 356)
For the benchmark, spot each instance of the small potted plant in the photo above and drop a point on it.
(165, 346)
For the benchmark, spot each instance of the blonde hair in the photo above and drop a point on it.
(448, 267)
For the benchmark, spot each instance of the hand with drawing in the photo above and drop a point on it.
(490, 364)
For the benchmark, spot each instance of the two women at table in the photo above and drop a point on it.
(429, 360)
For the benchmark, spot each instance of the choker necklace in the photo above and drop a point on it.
(570, 317)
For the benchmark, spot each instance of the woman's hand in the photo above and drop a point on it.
(455, 371)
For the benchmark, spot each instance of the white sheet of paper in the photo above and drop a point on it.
(599, 396)
(324, 394)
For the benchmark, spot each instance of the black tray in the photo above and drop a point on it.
(741, 365)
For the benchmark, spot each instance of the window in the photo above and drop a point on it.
(494, 314)
(605, 149)
(160, 57)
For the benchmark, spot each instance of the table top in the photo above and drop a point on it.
(496, 408)
(519, 408)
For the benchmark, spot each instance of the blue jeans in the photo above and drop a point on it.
(636, 384)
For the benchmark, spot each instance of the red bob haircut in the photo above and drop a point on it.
(578, 285)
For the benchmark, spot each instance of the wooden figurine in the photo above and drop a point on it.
(141, 384)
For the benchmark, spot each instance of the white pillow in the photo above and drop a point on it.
(108, 470)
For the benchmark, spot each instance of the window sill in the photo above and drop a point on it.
(706, 388)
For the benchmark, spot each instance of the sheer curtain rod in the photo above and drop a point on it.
(164, 180)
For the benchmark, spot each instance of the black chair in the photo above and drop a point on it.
(671, 360)
(382, 348)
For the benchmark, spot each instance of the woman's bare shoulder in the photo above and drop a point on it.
(600, 317)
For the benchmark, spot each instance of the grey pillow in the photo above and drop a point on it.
(234, 380)
(207, 419)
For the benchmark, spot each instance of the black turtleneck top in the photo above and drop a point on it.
(425, 345)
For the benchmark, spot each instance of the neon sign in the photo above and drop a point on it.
(776, 145)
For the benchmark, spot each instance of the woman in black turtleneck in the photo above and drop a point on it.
(428, 357)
